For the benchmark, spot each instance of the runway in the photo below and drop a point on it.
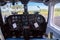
(57, 20)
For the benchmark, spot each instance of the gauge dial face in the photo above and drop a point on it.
(40, 19)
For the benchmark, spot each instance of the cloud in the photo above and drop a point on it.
(57, 5)
(33, 8)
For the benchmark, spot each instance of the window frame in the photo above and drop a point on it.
(50, 25)
(54, 16)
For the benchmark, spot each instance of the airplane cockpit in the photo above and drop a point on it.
(28, 25)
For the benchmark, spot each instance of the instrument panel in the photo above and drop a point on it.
(25, 20)
(25, 24)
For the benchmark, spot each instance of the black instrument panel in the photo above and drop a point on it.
(25, 20)
(31, 23)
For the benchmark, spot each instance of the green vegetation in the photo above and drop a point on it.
(57, 12)
(43, 12)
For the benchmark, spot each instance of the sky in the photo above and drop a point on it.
(36, 6)
(57, 5)
(39, 5)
